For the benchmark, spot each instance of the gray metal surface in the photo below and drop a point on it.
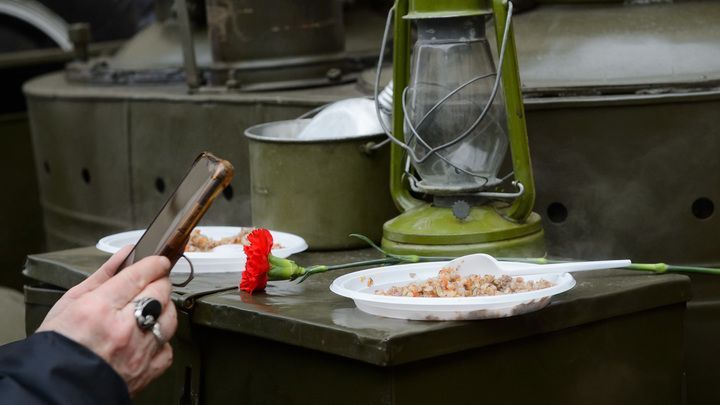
(305, 47)
(620, 47)
(242, 30)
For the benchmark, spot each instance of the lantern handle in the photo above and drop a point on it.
(382, 99)
(399, 191)
(522, 207)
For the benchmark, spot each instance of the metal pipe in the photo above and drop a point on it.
(192, 76)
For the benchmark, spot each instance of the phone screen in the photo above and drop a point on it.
(171, 228)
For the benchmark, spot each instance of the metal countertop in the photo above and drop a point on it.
(309, 315)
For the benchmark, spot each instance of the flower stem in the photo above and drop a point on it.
(390, 258)
(321, 269)
(654, 267)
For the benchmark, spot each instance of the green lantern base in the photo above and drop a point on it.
(434, 231)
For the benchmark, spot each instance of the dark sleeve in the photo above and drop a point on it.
(48, 368)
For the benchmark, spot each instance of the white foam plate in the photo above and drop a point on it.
(222, 259)
(356, 287)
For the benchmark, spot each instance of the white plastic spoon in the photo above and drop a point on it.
(481, 263)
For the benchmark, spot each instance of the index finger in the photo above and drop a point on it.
(105, 272)
(127, 284)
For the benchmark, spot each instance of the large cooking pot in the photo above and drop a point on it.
(322, 190)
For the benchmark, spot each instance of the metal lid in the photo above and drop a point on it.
(447, 8)
(618, 48)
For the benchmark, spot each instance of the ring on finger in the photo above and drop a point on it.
(147, 311)
(158, 334)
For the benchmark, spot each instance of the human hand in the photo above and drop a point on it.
(99, 314)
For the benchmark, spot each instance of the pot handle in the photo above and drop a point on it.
(370, 147)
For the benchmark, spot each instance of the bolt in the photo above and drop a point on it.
(334, 74)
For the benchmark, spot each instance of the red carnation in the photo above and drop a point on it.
(257, 265)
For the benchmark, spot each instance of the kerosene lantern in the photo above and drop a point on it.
(454, 114)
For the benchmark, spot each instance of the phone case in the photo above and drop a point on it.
(170, 231)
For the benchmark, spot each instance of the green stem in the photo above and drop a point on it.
(654, 267)
(321, 269)
(385, 260)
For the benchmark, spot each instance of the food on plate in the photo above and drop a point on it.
(368, 281)
(449, 283)
(202, 243)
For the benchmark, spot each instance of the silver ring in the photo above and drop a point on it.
(147, 311)
(158, 335)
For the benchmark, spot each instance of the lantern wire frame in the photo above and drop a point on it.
(436, 150)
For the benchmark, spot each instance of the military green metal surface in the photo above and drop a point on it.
(532, 245)
(21, 216)
(323, 190)
(615, 338)
(447, 8)
(434, 231)
(433, 226)
(522, 206)
(141, 140)
(12, 313)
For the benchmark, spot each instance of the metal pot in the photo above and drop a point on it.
(322, 190)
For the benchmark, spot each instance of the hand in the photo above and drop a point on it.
(99, 314)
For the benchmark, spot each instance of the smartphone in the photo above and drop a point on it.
(170, 231)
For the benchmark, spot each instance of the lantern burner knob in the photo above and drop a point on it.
(461, 209)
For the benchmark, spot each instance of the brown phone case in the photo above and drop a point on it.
(170, 231)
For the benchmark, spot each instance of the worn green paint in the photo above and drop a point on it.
(447, 8)
(323, 190)
(433, 231)
(20, 213)
(522, 207)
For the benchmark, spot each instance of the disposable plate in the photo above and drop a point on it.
(360, 286)
(226, 258)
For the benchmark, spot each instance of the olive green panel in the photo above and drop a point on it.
(12, 313)
(20, 214)
(167, 136)
(633, 359)
(702, 331)
(136, 141)
(81, 157)
(38, 301)
(636, 359)
(322, 191)
(635, 178)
